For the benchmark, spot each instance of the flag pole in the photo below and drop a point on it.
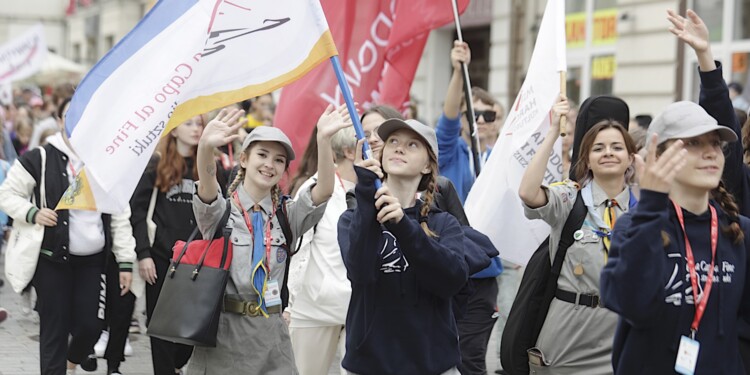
(347, 94)
(564, 94)
(470, 117)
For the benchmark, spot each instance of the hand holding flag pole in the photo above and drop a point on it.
(470, 116)
(347, 94)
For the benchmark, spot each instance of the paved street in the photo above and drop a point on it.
(19, 342)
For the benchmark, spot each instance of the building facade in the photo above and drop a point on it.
(616, 47)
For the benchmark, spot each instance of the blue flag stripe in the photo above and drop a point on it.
(163, 14)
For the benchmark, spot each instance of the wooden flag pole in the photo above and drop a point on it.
(564, 94)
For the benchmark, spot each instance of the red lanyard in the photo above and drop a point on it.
(249, 223)
(340, 181)
(700, 307)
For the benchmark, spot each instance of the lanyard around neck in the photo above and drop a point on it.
(700, 306)
(338, 176)
(249, 224)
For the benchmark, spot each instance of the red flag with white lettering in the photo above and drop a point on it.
(380, 44)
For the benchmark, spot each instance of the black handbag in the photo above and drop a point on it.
(189, 305)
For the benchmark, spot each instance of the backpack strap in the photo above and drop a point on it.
(573, 223)
(283, 220)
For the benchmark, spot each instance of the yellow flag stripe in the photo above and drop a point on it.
(323, 49)
(83, 198)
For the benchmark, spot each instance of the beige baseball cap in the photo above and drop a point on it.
(425, 132)
(269, 134)
(686, 119)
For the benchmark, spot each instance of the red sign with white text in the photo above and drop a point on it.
(380, 43)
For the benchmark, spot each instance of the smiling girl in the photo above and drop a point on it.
(576, 337)
(252, 336)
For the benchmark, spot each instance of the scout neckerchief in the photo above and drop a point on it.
(261, 268)
(605, 224)
(700, 306)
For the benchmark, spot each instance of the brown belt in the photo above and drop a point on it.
(249, 308)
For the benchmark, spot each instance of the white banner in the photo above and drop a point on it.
(493, 205)
(23, 56)
(186, 57)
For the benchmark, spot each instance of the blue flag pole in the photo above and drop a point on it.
(366, 150)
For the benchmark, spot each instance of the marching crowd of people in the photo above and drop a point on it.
(373, 260)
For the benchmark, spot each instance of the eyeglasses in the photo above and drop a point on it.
(489, 116)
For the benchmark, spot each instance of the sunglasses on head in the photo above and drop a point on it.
(489, 116)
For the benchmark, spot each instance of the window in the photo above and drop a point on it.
(602, 74)
(742, 19)
(92, 54)
(573, 85)
(711, 11)
(109, 42)
(77, 52)
(575, 6)
(604, 4)
(479, 40)
(740, 72)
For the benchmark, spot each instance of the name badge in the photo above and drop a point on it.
(273, 293)
(687, 356)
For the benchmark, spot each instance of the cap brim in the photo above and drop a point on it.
(391, 125)
(725, 133)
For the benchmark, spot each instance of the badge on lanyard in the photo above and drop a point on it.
(687, 356)
(273, 293)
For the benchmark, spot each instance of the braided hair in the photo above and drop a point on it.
(236, 182)
(726, 200)
(428, 185)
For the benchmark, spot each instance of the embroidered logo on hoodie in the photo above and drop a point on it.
(393, 260)
(682, 290)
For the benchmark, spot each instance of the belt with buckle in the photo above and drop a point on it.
(588, 300)
(248, 308)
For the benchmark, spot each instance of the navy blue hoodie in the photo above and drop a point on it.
(714, 98)
(648, 285)
(400, 319)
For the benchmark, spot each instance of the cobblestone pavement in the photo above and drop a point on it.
(19, 343)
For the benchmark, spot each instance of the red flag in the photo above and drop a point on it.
(71, 8)
(380, 44)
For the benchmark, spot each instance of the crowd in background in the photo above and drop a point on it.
(404, 311)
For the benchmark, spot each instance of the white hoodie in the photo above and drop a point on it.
(86, 230)
(319, 290)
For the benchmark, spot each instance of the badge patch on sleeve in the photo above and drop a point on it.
(280, 255)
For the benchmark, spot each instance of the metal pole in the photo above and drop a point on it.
(470, 117)
(366, 150)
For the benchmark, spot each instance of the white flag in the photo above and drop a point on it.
(186, 57)
(493, 205)
(23, 56)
